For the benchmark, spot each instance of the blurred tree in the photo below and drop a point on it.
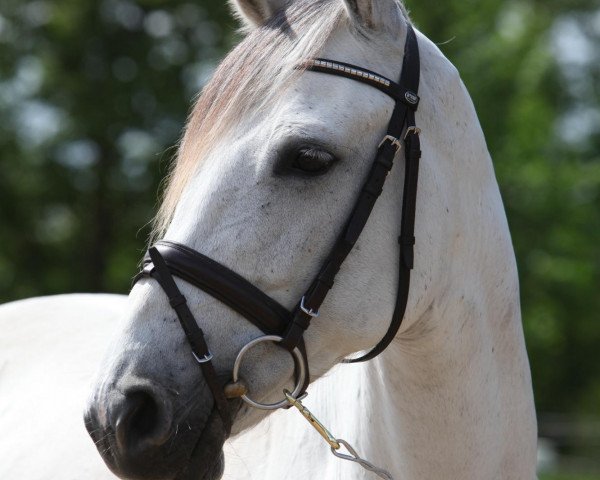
(93, 95)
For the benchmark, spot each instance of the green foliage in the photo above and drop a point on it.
(93, 95)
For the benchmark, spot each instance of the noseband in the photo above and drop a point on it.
(286, 327)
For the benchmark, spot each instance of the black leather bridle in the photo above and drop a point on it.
(167, 259)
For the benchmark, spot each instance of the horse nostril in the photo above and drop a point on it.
(143, 421)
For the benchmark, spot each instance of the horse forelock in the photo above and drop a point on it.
(251, 77)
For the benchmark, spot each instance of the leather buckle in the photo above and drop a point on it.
(205, 359)
(393, 140)
(412, 131)
(309, 311)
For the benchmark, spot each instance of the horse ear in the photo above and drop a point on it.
(376, 15)
(254, 13)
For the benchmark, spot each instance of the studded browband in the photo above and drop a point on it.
(387, 86)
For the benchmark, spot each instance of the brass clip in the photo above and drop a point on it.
(318, 426)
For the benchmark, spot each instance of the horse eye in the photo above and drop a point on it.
(312, 161)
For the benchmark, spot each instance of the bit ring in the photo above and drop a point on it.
(299, 361)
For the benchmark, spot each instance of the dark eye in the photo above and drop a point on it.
(312, 161)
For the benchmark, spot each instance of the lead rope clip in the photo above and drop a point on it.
(336, 443)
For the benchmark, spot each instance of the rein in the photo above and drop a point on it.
(286, 327)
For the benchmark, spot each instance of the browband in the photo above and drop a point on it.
(347, 70)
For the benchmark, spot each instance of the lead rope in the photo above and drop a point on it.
(336, 443)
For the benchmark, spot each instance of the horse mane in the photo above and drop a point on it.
(252, 75)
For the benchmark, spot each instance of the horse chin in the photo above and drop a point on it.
(207, 461)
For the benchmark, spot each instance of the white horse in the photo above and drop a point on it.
(451, 397)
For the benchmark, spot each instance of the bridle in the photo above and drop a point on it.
(167, 259)
(286, 327)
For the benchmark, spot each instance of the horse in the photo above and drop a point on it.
(272, 157)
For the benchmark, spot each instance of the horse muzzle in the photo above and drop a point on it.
(140, 434)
